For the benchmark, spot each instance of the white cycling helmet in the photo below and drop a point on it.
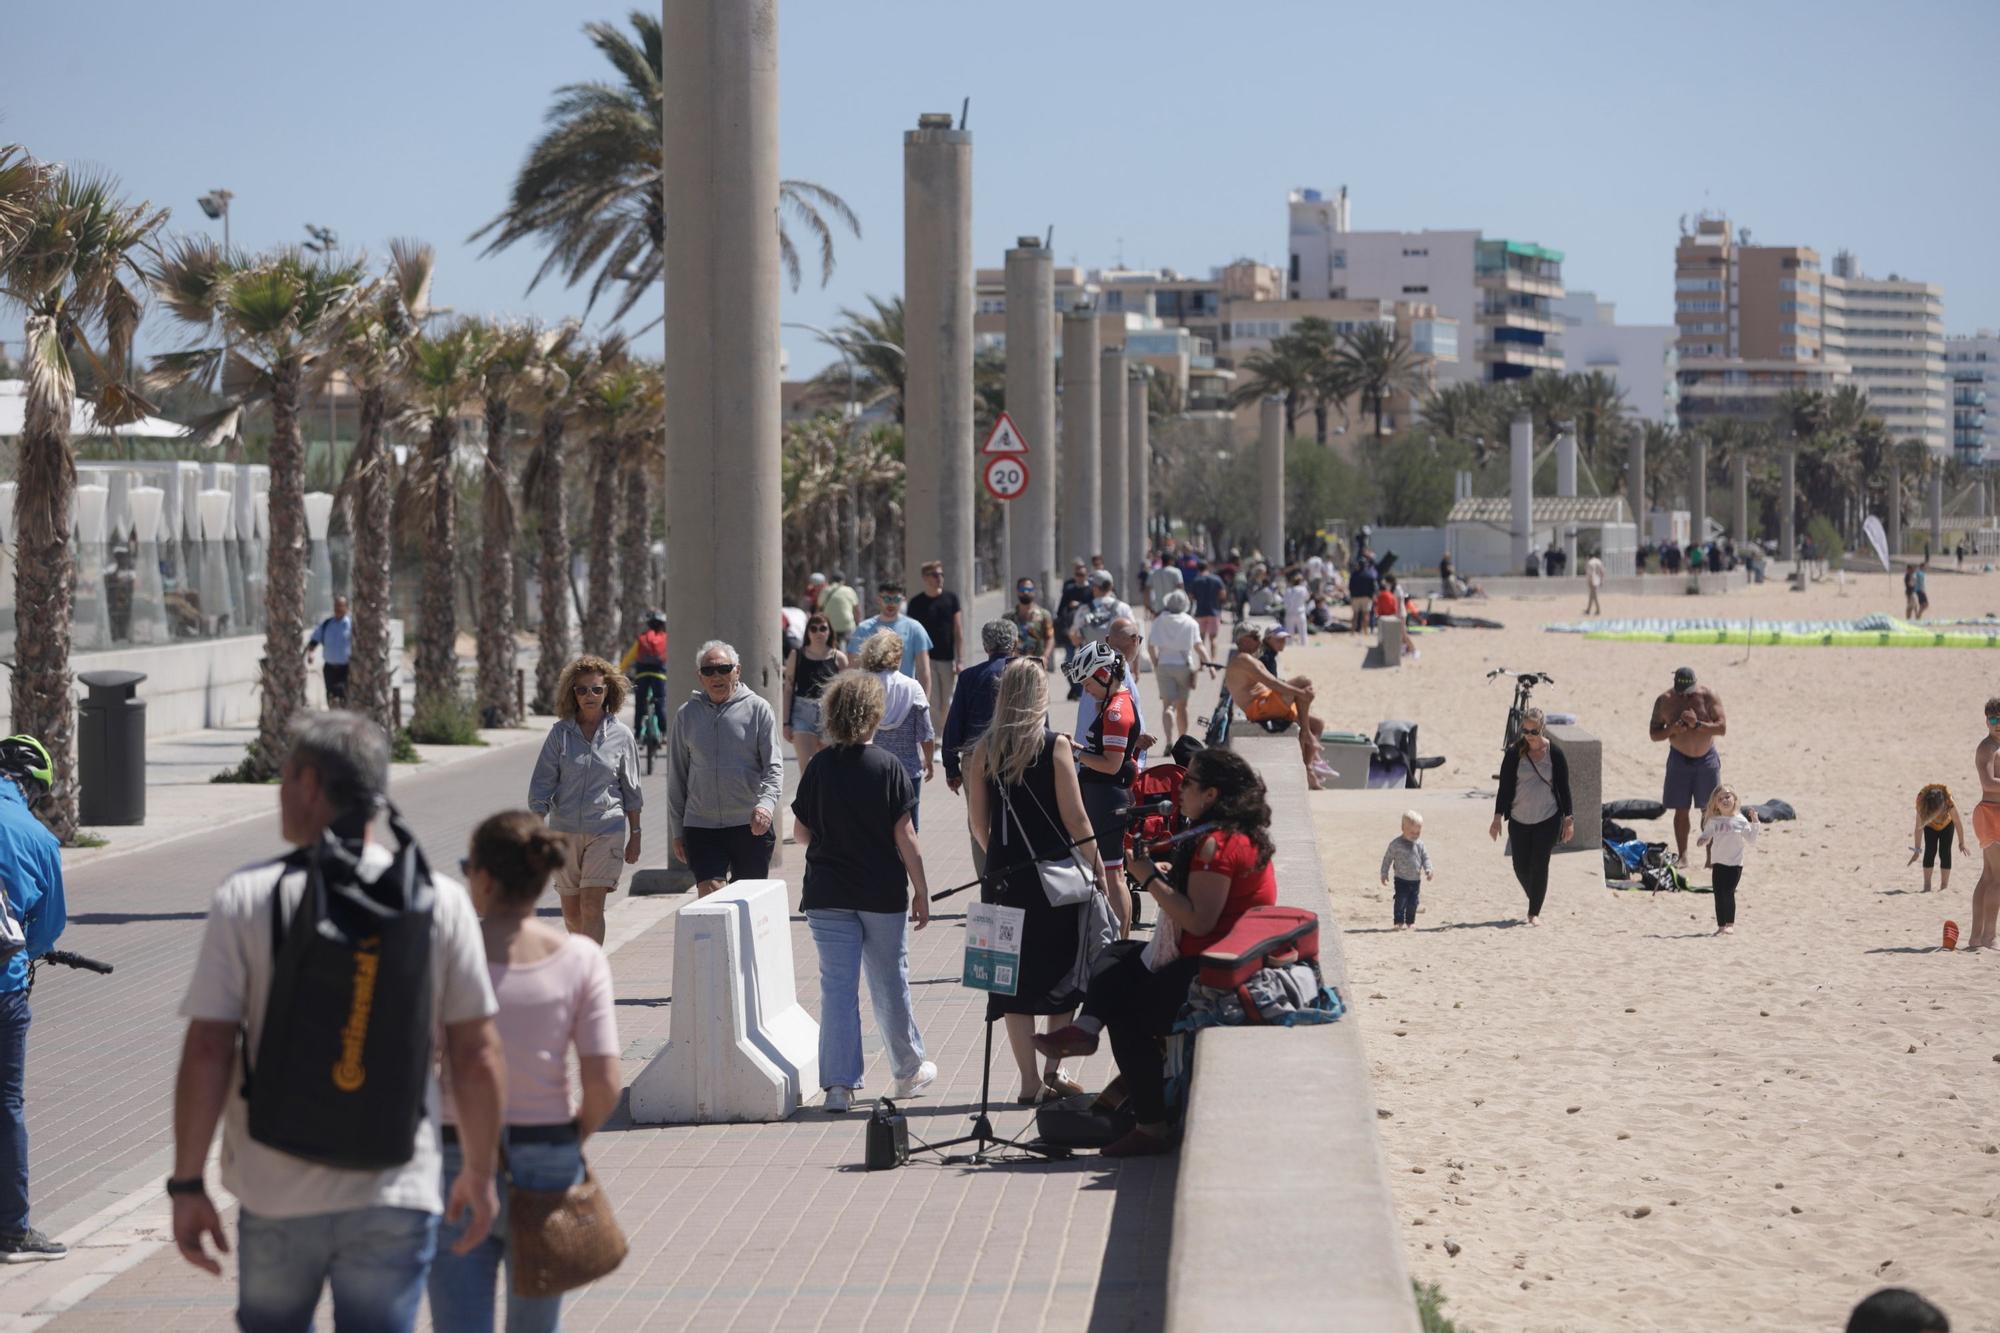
(1093, 658)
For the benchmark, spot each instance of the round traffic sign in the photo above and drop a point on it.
(1006, 476)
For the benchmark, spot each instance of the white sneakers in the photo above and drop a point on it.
(909, 1087)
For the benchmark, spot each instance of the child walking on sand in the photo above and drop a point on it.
(1729, 834)
(1937, 824)
(1407, 858)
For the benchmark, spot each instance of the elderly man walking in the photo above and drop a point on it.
(725, 774)
(972, 708)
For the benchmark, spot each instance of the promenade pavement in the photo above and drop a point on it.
(739, 1226)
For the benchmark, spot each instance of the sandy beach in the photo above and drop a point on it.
(1620, 1120)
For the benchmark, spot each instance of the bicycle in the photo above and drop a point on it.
(1524, 688)
(647, 721)
(64, 958)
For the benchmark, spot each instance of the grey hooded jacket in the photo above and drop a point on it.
(587, 785)
(724, 762)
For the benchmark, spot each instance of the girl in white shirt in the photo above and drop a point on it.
(1729, 834)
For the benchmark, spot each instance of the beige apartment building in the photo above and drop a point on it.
(1890, 332)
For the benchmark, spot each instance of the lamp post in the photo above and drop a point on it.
(216, 204)
(851, 526)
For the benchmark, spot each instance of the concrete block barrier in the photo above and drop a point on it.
(740, 1048)
(1586, 786)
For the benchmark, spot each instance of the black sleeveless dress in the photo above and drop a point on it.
(1015, 840)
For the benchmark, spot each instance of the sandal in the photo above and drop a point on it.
(1950, 935)
(1058, 1084)
(1065, 1042)
(1035, 1098)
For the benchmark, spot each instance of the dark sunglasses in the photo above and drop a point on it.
(819, 627)
(718, 668)
(1531, 731)
(590, 689)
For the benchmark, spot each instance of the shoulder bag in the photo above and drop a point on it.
(559, 1240)
(1067, 882)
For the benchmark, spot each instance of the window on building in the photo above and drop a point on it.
(1416, 291)
(1295, 266)
(1340, 259)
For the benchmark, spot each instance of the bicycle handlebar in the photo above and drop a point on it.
(64, 958)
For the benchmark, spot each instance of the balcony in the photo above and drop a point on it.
(1969, 398)
(1535, 356)
(1513, 280)
(1513, 317)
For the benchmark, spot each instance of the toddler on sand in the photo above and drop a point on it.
(1729, 835)
(1408, 858)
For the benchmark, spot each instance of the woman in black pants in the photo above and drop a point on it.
(1534, 799)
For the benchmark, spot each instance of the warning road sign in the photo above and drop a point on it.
(1005, 438)
(1006, 476)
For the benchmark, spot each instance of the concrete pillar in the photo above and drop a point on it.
(1081, 537)
(1111, 481)
(1739, 475)
(721, 189)
(1139, 465)
(1698, 488)
(1635, 480)
(1031, 403)
(937, 337)
(1271, 478)
(1566, 458)
(1937, 504)
(1521, 447)
(1892, 520)
(1788, 504)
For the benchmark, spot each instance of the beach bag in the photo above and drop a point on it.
(343, 1063)
(559, 1240)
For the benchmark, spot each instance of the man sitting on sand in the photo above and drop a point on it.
(1264, 697)
(1688, 718)
(1986, 828)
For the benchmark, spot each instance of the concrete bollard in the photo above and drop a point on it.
(1586, 786)
(741, 1048)
(1388, 649)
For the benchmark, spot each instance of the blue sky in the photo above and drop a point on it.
(1165, 131)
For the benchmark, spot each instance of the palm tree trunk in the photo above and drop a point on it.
(496, 580)
(437, 634)
(553, 571)
(635, 543)
(600, 626)
(284, 667)
(1381, 403)
(1319, 423)
(368, 684)
(44, 575)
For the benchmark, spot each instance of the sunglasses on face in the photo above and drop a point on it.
(821, 628)
(590, 689)
(718, 668)
(1993, 721)
(1531, 731)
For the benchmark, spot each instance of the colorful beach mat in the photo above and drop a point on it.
(1875, 631)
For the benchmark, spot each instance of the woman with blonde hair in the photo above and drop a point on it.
(855, 809)
(1026, 805)
(586, 785)
(906, 731)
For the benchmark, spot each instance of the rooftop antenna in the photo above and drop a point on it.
(1049, 239)
(964, 110)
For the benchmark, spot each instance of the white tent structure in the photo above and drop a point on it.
(82, 420)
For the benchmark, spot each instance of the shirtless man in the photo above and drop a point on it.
(1264, 697)
(1688, 718)
(1986, 828)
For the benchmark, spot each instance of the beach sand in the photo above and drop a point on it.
(1620, 1120)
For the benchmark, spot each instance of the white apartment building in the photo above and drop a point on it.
(1890, 331)
(1640, 357)
(1973, 364)
(1501, 293)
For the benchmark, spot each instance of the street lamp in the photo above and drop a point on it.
(216, 204)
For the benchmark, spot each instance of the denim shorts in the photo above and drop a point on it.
(805, 715)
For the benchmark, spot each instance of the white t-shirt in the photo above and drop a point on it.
(1175, 635)
(232, 980)
(1160, 583)
(1315, 567)
(1594, 571)
(1297, 599)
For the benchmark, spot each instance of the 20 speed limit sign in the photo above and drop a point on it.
(1006, 476)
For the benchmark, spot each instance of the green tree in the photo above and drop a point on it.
(1409, 477)
(1602, 418)
(873, 340)
(440, 378)
(556, 381)
(616, 404)
(505, 352)
(70, 248)
(267, 329)
(1289, 368)
(592, 193)
(1378, 363)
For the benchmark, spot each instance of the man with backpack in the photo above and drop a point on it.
(332, 966)
(336, 635)
(32, 917)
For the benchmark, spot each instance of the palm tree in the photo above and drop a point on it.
(1550, 400)
(642, 457)
(591, 189)
(555, 380)
(618, 403)
(1286, 368)
(1380, 363)
(1331, 380)
(373, 350)
(270, 324)
(71, 250)
(1601, 414)
(505, 353)
(440, 378)
(872, 340)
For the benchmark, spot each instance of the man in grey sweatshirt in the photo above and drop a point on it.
(725, 775)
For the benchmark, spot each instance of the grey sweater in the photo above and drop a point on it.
(1406, 857)
(724, 762)
(587, 785)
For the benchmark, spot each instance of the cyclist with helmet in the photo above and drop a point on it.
(1106, 764)
(645, 665)
(31, 876)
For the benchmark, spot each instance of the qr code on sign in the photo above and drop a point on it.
(1003, 975)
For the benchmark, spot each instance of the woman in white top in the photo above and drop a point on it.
(1176, 651)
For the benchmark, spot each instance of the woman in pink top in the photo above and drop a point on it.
(554, 990)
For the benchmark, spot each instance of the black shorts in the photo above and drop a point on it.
(729, 853)
(1937, 846)
(335, 675)
(1102, 801)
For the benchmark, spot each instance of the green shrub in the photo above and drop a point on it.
(1826, 541)
(403, 750)
(1430, 1301)
(455, 722)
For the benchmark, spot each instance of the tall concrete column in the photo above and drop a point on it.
(1111, 480)
(1081, 537)
(1031, 403)
(1139, 464)
(1788, 504)
(1739, 476)
(1635, 480)
(937, 339)
(1271, 478)
(1521, 470)
(1698, 488)
(1566, 458)
(1937, 504)
(720, 149)
(1892, 520)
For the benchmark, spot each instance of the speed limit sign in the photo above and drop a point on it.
(1006, 476)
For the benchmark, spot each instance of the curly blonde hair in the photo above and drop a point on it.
(615, 686)
(851, 707)
(883, 651)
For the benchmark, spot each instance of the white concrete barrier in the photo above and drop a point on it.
(741, 1048)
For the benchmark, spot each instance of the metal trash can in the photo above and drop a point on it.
(111, 749)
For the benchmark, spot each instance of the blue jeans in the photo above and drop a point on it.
(374, 1258)
(13, 1100)
(1406, 900)
(461, 1286)
(850, 943)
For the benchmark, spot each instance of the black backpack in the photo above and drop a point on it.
(344, 1060)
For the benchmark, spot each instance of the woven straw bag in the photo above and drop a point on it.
(559, 1240)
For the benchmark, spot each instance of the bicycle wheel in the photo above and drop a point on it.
(652, 750)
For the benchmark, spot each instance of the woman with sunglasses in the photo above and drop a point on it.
(586, 785)
(808, 669)
(1534, 800)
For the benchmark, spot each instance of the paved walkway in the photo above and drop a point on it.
(748, 1226)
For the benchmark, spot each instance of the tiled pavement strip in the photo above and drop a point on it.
(732, 1227)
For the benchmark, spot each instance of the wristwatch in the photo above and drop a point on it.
(192, 1187)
